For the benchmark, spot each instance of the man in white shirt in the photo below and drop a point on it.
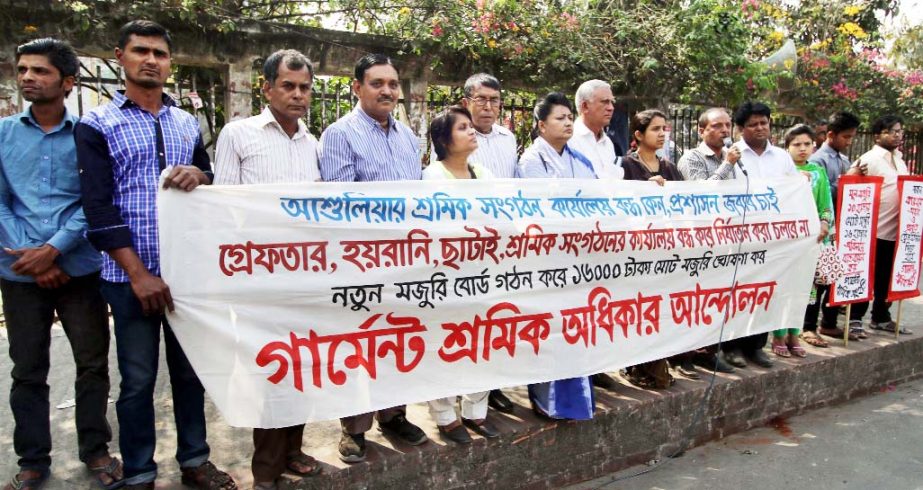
(595, 105)
(497, 148)
(884, 160)
(758, 159)
(274, 147)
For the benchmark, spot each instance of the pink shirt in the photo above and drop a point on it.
(889, 165)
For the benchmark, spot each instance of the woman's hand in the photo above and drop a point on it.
(658, 179)
(824, 231)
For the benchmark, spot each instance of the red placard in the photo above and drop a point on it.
(856, 229)
(905, 271)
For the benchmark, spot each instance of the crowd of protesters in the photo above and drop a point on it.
(78, 224)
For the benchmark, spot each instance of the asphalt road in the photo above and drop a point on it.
(875, 442)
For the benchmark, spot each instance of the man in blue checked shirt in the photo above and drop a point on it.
(49, 267)
(122, 148)
(369, 144)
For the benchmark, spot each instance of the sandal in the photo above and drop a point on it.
(303, 461)
(108, 470)
(781, 350)
(28, 483)
(859, 332)
(812, 338)
(889, 327)
(798, 351)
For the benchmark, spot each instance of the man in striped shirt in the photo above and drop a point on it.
(122, 148)
(274, 147)
(369, 144)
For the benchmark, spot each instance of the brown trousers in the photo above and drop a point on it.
(360, 424)
(272, 450)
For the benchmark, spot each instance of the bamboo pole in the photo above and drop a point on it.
(846, 330)
(897, 324)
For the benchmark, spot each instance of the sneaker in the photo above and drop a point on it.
(402, 428)
(352, 448)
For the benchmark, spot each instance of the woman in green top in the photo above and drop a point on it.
(799, 140)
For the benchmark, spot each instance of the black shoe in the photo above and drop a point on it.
(687, 369)
(760, 358)
(713, 362)
(352, 448)
(485, 429)
(457, 435)
(498, 401)
(735, 358)
(402, 428)
(604, 381)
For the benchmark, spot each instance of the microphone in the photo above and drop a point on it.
(729, 142)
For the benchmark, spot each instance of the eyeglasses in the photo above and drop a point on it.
(483, 101)
(893, 132)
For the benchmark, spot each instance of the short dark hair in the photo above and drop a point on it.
(370, 60)
(481, 80)
(798, 130)
(143, 28)
(642, 120)
(294, 60)
(843, 121)
(440, 129)
(544, 106)
(885, 122)
(749, 109)
(60, 54)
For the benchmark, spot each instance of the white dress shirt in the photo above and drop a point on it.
(773, 162)
(497, 151)
(600, 151)
(257, 150)
(889, 165)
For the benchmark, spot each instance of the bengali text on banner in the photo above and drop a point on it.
(314, 301)
(905, 275)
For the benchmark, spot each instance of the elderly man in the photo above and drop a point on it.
(122, 148)
(711, 160)
(594, 104)
(50, 268)
(883, 160)
(366, 145)
(496, 144)
(273, 147)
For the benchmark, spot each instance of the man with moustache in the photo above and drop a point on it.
(709, 161)
(366, 145)
(884, 160)
(122, 149)
(761, 160)
(274, 147)
(49, 268)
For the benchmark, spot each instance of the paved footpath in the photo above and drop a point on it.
(854, 452)
(875, 442)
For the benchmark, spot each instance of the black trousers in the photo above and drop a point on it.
(881, 309)
(747, 345)
(828, 313)
(29, 312)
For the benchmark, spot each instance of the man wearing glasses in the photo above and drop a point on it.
(884, 159)
(496, 144)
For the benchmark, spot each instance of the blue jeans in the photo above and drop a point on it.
(137, 338)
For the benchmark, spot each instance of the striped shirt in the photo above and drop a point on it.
(702, 163)
(497, 152)
(357, 149)
(121, 150)
(541, 161)
(257, 150)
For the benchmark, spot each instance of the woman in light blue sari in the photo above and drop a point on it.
(549, 157)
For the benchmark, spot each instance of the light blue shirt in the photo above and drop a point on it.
(357, 149)
(542, 161)
(40, 195)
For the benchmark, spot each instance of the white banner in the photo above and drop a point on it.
(905, 274)
(857, 224)
(314, 301)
